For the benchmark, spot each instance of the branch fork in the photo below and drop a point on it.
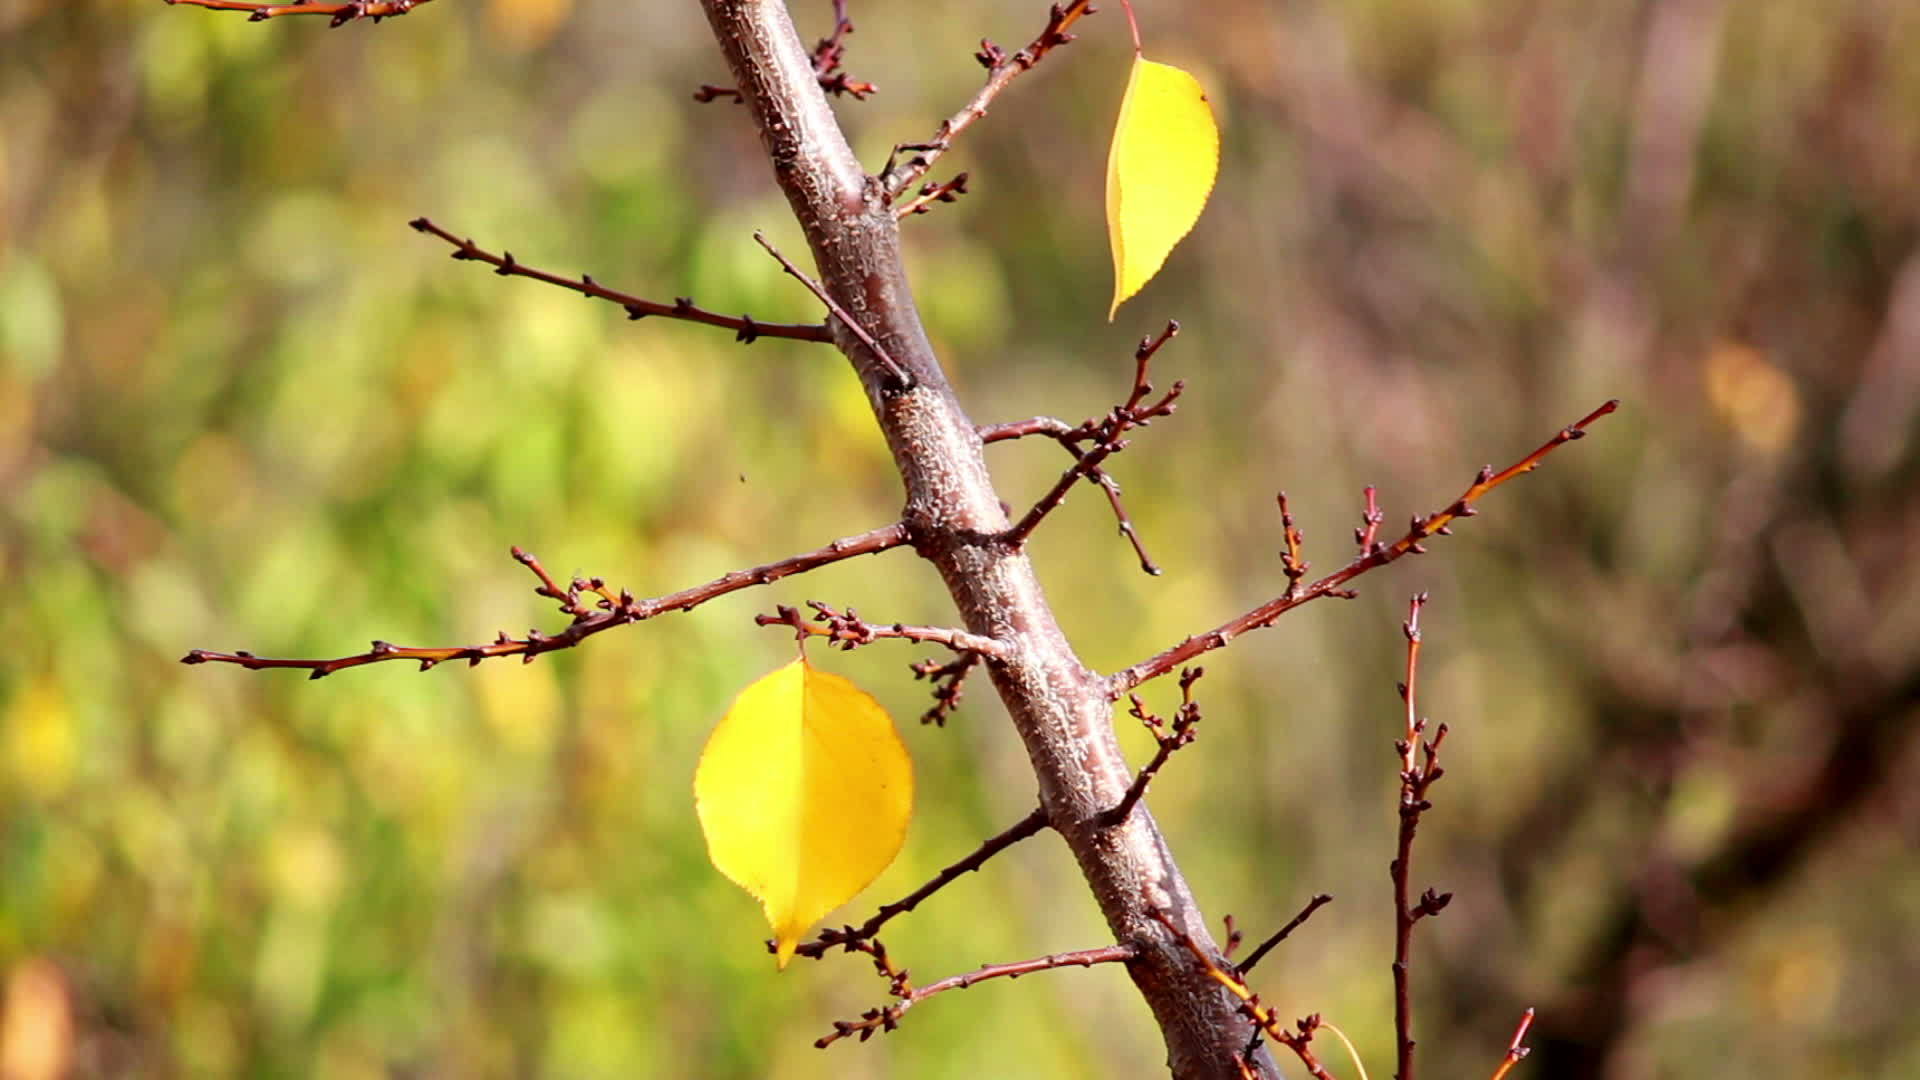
(847, 631)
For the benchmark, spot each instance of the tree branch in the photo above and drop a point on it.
(887, 1018)
(1167, 740)
(1108, 438)
(1516, 1049)
(1283, 933)
(339, 14)
(606, 612)
(949, 683)
(901, 381)
(1416, 777)
(846, 936)
(1373, 555)
(1002, 69)
(746, 328)
(847, 630)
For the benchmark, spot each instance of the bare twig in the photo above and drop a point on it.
(339, 14)
(1370, 520)
(1375, 555)
(1108, 439)
(1283, 933)
(745, 327)
(902, 381)
(949, 683)
(1291, 562)
(847, 630)
(887, 1018)
(931, 193)
(1516, 1048)
(1070, 437)
(848, 935)
(605, 613)
(1251, 1006)
(828, 52)
(1002, 69)
(1416, 777)
(1169, 739)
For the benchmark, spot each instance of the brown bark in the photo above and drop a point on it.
(1060, 708)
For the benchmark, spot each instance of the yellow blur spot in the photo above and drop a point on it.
(39, 740)
(1753, 397)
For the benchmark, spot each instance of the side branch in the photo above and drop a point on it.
(746, 328)
(1166, 739)
(1002, 69)
(605, 611)
(887, 1018)
(1319, 900)
(848, 631)
(1108, 438)
(339, 14)
(1374, 554)
(847, 936)
(1416, 777)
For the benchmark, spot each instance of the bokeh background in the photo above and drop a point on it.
(243, 406)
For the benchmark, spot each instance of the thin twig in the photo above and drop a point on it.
(1291, 562)
(1168, 740)
(1002, 69)
(1027, 826)
(1516, 1048)
(1376, 555)
(339, 14)
(931, 193)
(1283, 933)
(949, 685)
(1251, 1006)
(888, 1017)
(745, 327)
(608, 611)
(902, 381)
(847, 630)
(1070, 437)
(1416, 777)
(1107, 440)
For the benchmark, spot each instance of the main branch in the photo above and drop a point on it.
(958, 522)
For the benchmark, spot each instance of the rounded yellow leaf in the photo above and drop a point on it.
(804, 793)
(1160, 170)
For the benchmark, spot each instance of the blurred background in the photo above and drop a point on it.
(242, 406)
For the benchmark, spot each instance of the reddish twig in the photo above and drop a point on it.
(1516, 1050)
(886, 1018)
(931, 193)
(949, 683)
(1002, 69)
(1168, 740)
(745, 327)
(1283, 933)
(604, 613)
(339, 14)
(1370, 521)
(902, 381)
(1375, 555)
(1263, 1017)
(1291, 562)
(1417, 775)
(849, 632)
(1107, 439)
(848, 936)
(828, 52)
(1070, 437)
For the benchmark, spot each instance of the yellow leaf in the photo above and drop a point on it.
(804, 792)
(1166, 151)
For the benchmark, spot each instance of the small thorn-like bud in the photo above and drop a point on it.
(507, 264)
(419, 224)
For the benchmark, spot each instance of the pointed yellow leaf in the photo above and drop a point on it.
(804, 792)
(1160, 170)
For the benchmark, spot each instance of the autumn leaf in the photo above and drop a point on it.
(1160, 170)
(804, 792)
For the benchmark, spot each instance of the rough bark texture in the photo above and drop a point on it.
(1058, 705)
